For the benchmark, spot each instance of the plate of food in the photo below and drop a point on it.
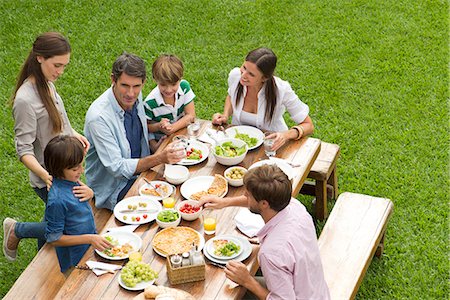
(137, 210)
(246, 248)
(156, 190)
(196, 152)
(224, 248)
(199, 186)
(176, 240)
(284, 166)
(251, 135)
(136, 276)
(123, 243)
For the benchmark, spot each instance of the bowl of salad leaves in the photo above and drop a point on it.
(230, 151)
(168, 218)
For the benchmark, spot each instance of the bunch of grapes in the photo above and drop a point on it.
(135, 272)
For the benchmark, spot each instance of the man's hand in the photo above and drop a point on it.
(237, 272)
(173, 153)
(211, 201)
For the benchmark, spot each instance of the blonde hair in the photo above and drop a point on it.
(167, 69)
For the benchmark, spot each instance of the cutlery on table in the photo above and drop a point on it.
(217, 265)
(159, 190)
(126, 211)
(95, 268)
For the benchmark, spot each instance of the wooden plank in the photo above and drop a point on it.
(349, 241)
(325, 162)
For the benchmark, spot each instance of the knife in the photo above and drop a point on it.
(128, 211)
(217, 265)
(95, 268)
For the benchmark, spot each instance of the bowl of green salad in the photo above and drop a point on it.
(230, 151)
(168, 218)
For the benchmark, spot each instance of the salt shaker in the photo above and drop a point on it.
(185, 261)
(176, 261)
(197, 258)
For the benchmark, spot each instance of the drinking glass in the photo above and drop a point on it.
(193, 129)
(209, 221)
(268, 143)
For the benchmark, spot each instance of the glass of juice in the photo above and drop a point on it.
(169, 202)
(209, 221)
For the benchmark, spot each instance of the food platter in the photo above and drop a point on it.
(175, 236)
(198, 184)
(245, 245)
(252, 132)
(213, 245)
(146, 210)
(122, 238)
(196, 145)
(149, 191)
(138, 287)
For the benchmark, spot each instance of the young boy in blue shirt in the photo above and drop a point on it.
(70, 222)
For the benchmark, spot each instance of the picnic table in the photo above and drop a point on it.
(82, 284)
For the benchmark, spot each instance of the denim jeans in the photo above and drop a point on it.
(24, 230)
(125, 190)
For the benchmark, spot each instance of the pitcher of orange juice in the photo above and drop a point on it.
(209, 221)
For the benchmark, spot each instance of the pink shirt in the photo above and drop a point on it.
(289, 256)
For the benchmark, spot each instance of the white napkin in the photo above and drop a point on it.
(126, 228)
(206, 136)
(248, 223)
(95, 264)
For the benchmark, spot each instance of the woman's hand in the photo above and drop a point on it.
(83, 140)
(280, 138)
(219, 119)
(99, 242)
(83, 192)
(48, 179)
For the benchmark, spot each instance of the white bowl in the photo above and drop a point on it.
(168, 224)
(176, 174)
(229, 161)
(235, 181)
(191, 216)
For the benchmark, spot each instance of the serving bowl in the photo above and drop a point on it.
(176, 174)
(230, 160)
(189, 216)
(235, 175)
(167, 224)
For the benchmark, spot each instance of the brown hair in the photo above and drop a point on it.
(167, 69)
(266, 61)
(268, 182)
(129, 64)
(62, 152)
(47, 45)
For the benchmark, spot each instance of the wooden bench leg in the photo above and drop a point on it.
(333, 181)
(321, 200)
(380, 247)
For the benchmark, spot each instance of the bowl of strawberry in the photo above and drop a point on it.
(189, 210)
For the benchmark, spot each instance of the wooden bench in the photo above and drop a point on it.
(42, 279)
(324, 173)
(352, 235)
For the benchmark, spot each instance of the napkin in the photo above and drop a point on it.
(210, 134)
(126, 228)
(248, 223)
(95, 264)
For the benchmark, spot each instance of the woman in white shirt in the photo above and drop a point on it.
(258, 98)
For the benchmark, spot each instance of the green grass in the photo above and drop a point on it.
(374, 73)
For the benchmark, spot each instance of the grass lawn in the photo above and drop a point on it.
(374, 73)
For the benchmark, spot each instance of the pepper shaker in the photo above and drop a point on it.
(185, 261)
(176, 261)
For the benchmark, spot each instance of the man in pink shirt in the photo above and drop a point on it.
(289, 255)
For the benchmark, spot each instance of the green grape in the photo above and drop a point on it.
(137, 271)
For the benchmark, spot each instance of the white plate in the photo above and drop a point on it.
(200, 246)
(245, 244)
(123, 205)
(251, 131)
(284, 166)
(196, 145)
(197, 184)
(169, 190)
(138, 287)
(123, 237)
(210, 249)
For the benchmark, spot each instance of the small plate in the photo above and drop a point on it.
(284, 166)
(245, 244)
(197, 184)
(138, 287)
(154, 183)
(196, 145)
(251, 131)
(211, 249)
(122, 237)
(135, 200)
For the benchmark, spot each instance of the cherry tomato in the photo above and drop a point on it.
(145, 216)
(138, 219)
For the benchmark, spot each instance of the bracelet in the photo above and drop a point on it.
(300, 131)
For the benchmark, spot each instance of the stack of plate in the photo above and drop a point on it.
(244, 251)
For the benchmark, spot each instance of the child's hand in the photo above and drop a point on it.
(99, 242)
(165, 126)
(83, 192)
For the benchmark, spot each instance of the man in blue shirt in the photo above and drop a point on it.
(116, 128)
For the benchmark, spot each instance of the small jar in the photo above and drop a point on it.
(185, 260)
(176, 261)
(197, 258)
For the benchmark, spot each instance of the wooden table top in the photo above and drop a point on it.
(81, 284)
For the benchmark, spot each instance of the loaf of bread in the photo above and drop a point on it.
(153, 291)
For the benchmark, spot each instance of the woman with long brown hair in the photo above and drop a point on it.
(258, 98)
(39, 115)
